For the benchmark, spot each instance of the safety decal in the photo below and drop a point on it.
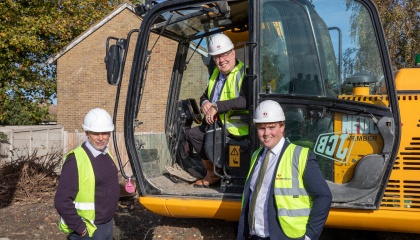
(234, 156)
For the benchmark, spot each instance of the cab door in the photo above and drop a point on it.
(327, 64)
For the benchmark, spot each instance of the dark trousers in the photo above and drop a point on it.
(103, 232)
(195, 136)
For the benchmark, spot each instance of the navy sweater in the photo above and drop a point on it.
(107, 190)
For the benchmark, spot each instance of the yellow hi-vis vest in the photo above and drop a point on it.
(85, 198)
(292, 201)
(231, 90)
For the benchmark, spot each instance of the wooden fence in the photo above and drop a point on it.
(18, 141)
(41, 140)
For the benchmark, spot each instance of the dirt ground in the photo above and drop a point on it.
(27, 189)
(20, 221)
(39, 221)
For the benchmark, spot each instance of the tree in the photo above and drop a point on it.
(363, 57)
(31, 31)
(401, 23)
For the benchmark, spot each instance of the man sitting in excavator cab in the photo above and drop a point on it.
(224, 94)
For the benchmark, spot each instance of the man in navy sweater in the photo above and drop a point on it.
(88, 191)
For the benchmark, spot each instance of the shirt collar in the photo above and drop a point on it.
(221, 78)
(95, 152)
(277, 149)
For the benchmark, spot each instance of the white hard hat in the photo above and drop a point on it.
(219, 43)
(268, 111)
(98, 120)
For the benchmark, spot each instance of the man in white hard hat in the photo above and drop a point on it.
(88, 190)
(285, 194)
(225, 93)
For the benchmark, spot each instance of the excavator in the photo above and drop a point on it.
(325, 61)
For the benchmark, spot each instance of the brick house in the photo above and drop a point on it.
(81, 74)
(82, 83)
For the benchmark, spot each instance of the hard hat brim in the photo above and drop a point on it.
(268, 120)
(214, 53)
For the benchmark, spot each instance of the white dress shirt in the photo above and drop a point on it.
(261, 214)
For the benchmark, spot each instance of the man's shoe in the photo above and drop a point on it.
(210, 178)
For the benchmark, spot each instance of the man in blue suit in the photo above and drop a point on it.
(285, 194)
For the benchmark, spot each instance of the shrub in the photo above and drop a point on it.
(29, 178)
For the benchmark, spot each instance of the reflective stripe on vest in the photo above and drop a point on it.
(85, 198)
(292, 201)
(231, 90)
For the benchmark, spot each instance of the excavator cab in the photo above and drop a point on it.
(216, 145)
(325, 62)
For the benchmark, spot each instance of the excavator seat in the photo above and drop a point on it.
(366, 179)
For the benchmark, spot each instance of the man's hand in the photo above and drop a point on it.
(84, 232)
(211, 112)
(205, 107)
(208, 109)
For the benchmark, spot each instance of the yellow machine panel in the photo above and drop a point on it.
(359, 136)
(403, 189)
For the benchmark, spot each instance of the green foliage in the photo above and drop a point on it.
(33, 31)
(363, 58)
(24, 112)
(30, 33)
(3, 137)
(401, 23)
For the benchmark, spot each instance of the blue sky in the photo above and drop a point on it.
(335, 15)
